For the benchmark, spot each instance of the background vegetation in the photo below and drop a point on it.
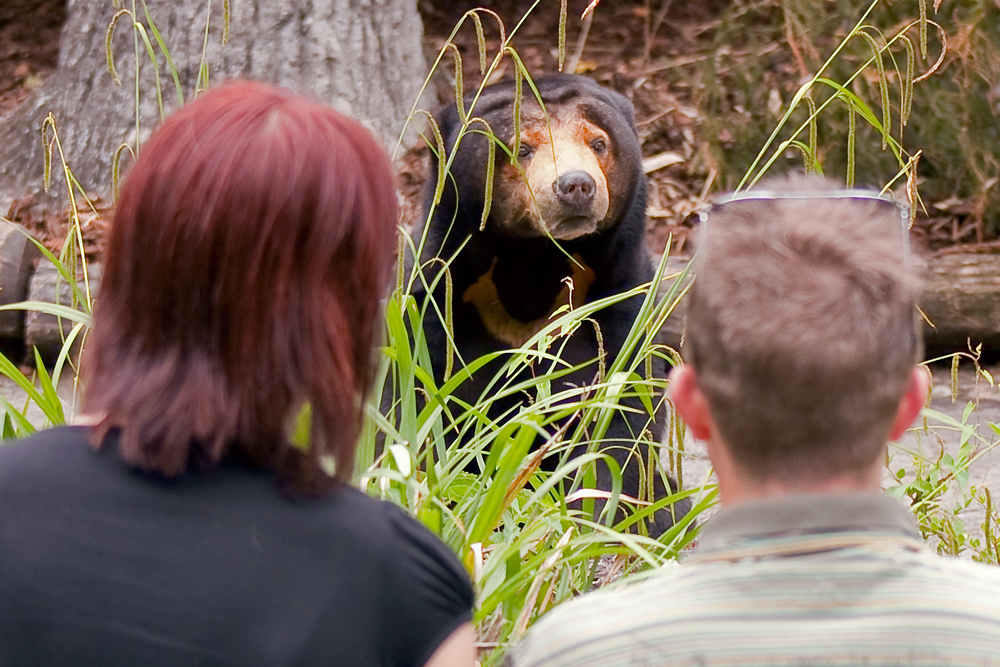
(710, 80)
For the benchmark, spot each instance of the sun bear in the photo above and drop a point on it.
(566, 226)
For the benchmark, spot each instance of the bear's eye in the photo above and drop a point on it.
(599, 145)
(525, 152)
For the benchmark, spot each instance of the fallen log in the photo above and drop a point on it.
(16, 256)
(960, 300)
(45, 332)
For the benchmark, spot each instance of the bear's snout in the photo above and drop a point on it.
(575, 188)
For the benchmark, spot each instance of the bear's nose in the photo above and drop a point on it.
(576, 188)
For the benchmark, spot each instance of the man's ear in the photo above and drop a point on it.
(690, 402)
(911, 403)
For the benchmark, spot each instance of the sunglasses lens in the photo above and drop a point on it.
(902, 207)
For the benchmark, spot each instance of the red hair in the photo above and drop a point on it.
(244, 277)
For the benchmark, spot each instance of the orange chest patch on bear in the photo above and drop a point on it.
(484, 296)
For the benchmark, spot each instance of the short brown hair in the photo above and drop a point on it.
(249, 255)
(801, 329)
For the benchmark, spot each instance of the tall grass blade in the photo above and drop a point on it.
(166, 53)
(7, 368)
(49, 393)
(852, 133)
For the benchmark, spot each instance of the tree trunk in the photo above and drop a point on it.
(363, 57)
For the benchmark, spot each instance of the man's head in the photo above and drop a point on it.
(801, 333)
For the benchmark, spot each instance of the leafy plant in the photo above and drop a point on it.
(936, 479)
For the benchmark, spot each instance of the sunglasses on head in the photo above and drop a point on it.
(902, 207)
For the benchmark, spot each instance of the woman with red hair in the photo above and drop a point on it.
(245, 272)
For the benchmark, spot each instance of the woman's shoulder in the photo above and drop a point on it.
(428, 546)
(54, 436)
(415, 559)
(63, 457)
(424, 593)
(427, 592)
(407, 539)
(54, 444)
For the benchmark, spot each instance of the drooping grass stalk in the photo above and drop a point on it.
(116, 167)
(563, 15)
(883, 84)
(760, 165)
(459, 88)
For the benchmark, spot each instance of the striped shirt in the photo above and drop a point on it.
(811, 580)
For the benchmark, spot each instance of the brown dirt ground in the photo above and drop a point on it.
(633, 46)
(29, 46)
(29, 51)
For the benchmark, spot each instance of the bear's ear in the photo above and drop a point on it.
(622, 105)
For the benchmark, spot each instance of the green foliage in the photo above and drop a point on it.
(42, 391)
(937, 482)
(883, 74)
(511, 523)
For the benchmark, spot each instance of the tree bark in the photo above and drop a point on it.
(363, 57)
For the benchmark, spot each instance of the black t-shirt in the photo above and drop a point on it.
(101, 564)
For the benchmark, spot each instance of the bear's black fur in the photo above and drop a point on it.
(513, 256)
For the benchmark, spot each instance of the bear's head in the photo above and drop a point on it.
(578, 161)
